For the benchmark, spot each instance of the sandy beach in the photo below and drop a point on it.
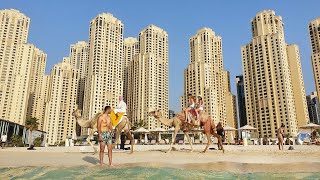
(235, 159)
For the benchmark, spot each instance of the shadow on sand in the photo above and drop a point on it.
(91, 160)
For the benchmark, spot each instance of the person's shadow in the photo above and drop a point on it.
(91, 160)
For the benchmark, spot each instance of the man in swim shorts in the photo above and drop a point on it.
(105, 133)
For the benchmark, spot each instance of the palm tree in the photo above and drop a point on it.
(32, 124)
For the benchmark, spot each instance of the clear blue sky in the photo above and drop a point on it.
(57, 24)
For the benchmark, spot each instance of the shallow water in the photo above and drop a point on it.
(138, 173)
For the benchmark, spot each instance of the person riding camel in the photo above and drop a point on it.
(191, 107)
(199, 107)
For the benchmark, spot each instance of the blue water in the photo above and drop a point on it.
(139, 173)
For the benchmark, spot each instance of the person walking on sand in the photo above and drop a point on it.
(105, 133)
(280, 137)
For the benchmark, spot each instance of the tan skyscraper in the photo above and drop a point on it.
(15, 65)
(79, 59)
(104, 83)
(272, 95)
(206, 77)
(61, 102)
(36, 99)
(148, 77)
(131, 48)
(231, 108)
(314, 31)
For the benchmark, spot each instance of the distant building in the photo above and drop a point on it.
(314, 32)
(205, 76)
(313, 108)
(273, 80)
(241, 101)
(61, 102)
(171, 114)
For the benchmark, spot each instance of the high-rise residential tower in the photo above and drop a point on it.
(313, 108)
(15, 65)
(241, 101)
(36, 94)
(206, 77)
(61, 102)
(148, 77)
(314, 31)
(79, 59)
(272, 95)
(131, 48)
(104, 83)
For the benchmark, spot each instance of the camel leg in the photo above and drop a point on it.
(188, 137)
(219, 140)
(208, 144)
(173, 139)
(89, 141)
(129, 135)
(118, 132)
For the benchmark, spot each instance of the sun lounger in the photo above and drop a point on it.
(162, 142)
(153, 142)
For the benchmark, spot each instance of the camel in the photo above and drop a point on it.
(178, 122)
(92, 124)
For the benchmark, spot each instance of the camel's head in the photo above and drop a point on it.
(154, 113)
(77, 113)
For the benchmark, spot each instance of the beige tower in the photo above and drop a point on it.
(268, 65)
(15, 59)
(79, 59)
(231, 108)
(104, 83)
(36, 100)
(131, 48)
(61, 102)
(314, 30)
(299, 92)
(41, 102)
(205, 75)
(148, 77)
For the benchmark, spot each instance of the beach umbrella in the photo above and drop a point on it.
(310, 126)
(247, 127)
(229, 128)
(142, 130)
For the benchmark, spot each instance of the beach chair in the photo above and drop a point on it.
(306, 141)
(153, 142)
(197, 141)
(180, 142)
(162, 142)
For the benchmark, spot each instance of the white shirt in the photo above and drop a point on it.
(4, 138)
(122, 107)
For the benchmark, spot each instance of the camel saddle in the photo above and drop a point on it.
(116, 118)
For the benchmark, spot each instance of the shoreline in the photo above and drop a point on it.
(236, 159)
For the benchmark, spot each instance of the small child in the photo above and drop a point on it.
(200, 107)
(190, 107)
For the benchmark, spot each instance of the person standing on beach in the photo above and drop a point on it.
(3, 140)
(280, 137)
(220, 132)
(105, 133)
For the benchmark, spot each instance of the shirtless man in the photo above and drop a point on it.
(105, 133)
(280, 137)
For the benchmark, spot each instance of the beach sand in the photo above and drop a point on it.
(235, 159)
